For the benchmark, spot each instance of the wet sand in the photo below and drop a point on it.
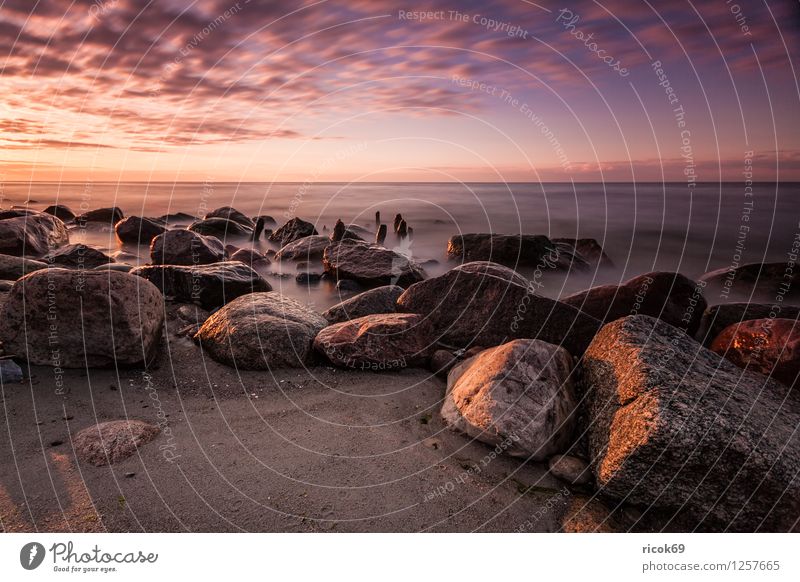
(295, 451)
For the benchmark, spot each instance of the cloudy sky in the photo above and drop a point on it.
(373, 90)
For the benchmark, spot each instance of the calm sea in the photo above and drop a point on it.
(643, 227)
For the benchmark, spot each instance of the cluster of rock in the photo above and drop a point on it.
(638, 392)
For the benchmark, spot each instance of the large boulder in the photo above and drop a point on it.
(754, 280)
(60, 211)
(110, 216)
(76, 318)
(378, 300)
(110, 442)
(519, 392)
(294, 229)
(672, 426)
(231, 214)
(184, 247)
(138, 230)
(670, 297)
(514, 250)
(221, 228)
(77, 256)
(210, 286)
(307, 248)
(261, 331)
(370, 265)
(718, 317)
(33, 234)
(486, 304)
(12, 268)
(768, 346)
(387, 341)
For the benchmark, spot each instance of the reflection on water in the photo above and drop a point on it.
(643, 227)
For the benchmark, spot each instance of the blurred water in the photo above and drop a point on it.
(643, 227)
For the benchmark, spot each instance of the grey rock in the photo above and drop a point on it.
(10, 372)
(674, 427)
(210, 286)
(519, 393)
(221, 228)
(261, 331)
(371, 265)
(137, 230)
(12, 268)
(60, 211)
(111, 442)
(294, 229)
(110, 216)
(33, 234)
(570, 469)
(77, 256)
(517, 250)
(73, 319)
(231, 214)
(308, 248)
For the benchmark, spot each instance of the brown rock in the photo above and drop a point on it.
(378, 300)
(138, 230)
(184, 247)
(33, 234)
(571, 469)
(77, 256)
(376, 342)
(294, 229)
(370, 265)
(767, 346)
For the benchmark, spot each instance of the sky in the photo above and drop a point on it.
(376, 90)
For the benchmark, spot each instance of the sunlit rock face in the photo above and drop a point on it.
(673, 426)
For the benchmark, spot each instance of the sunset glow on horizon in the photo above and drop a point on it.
(361, 90)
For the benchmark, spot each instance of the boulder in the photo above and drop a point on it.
(378, 300)
(370, 265)
(221, 228)
(718, 317)
(589, 249)
(76, 318)
(231, 214)
(520, 392)
(210, 286)
(670, 297)
(60, 211)
(307, 248)
(12, 268)
(672, 426)
(341, 232)
(755, 280)
(387, 341)
(16, 213)
(110, 216)
(307, 278)
(294, 229)
(77, 256)
(486, 304)
(514, 250)
(767, 346)
(110, 442)
(33, 234)
(261, 331)
(138, 230)
(177, 217)
(184, 247)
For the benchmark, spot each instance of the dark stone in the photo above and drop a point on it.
(32, 234)
(137, 230)
(110, 216)
(378, 300)
(184, 247)
(442, 361)
(669, 296)
(231, 214)
(674, 427)
(60, 211)
(370, 265)
(77, 256)
(589, 249)
(380, 236)
(487, 304)
(177, 217)
(210, 286)
(308, 278)
(307, 248)
(753, 281)
(294, 229)
(222, 228)
(519, 250)
(12, 268)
